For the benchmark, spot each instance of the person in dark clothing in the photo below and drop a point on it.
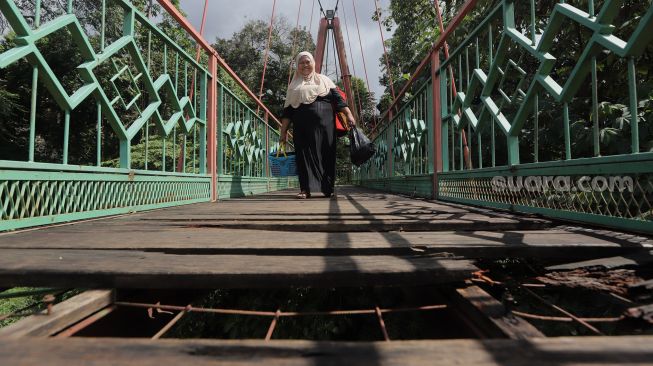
(309, 106)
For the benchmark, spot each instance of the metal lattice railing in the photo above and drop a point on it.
(118, 119)
(105, 62)
(408, 135)
(500, 86)
(523, 98)
(245, 136)
(139, 95)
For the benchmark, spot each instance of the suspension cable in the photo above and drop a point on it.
(353, 66)
(292, 54)
(321, 8)
(310, 23)
(360, 43)
(267, 51)
(385, 51)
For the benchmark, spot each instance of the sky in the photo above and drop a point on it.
(226, 17)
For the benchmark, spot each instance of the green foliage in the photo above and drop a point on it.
(416, 29)
(245, 54)
(27, 304)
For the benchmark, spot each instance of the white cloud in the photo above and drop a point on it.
(226, 17)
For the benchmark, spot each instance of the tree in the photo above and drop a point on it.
(245, 54)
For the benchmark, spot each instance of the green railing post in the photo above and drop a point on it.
(391, 148)
(444, 125)
(220, 128)
(204, 85)
(634, 114)
(435, 123)
(212, 121)
(267, 149)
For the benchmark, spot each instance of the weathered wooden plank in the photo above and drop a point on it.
(63, 315)
(566, 351)
(641, 258)
(489, 315)
(366, 225)
(133, 269)
(550, 243)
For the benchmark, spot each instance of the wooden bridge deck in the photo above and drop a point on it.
(274, 240)
(364, 238)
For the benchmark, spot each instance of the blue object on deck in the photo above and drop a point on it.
(282, 165)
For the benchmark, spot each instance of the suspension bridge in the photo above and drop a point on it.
(504, 243)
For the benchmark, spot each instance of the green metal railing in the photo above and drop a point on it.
(246, 139)
(524, 120)
(146, 85)
(405, 168)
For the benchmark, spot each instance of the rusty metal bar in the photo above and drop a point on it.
(195, 309)
(382, 324)
(565, 319)
(577, 319)
(280, 314)
(273, 325)
(171, 323)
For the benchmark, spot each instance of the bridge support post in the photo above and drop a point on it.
(344, 68)
(321, 43)
(436, 120)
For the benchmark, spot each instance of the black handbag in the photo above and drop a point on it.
(360, 147)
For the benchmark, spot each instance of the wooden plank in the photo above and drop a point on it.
(550, 243)
(62, 316)
(292, 217)
(367, 225)
(489, 315)
(641, 258)
(627, 350)
(133, 269)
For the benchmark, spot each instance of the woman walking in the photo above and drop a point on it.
(311, 103)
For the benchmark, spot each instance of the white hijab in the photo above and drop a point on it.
(304, 90)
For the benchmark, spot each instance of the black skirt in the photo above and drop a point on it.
(315, 146)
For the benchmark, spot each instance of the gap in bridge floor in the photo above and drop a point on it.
(327, 314)
(509, 298)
